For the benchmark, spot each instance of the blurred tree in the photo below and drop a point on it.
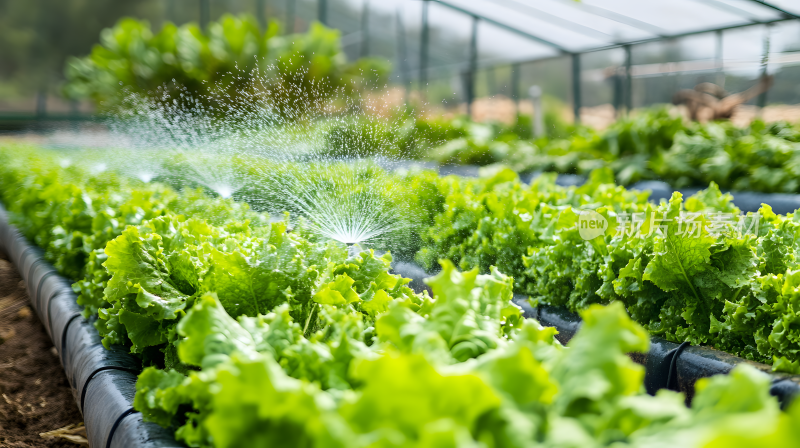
(37, 36)
(231, 59)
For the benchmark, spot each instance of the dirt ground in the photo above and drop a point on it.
(35, 396)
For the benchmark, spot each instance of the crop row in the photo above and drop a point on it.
(250, 334)
(651, 144)
(688, 270)
(730, 278)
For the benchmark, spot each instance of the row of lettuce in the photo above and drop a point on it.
(254, 335)
(650, 144)
(693, 270)
(653, 144)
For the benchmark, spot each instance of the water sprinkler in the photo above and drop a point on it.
(145, 177)
(224, 191)
(353, 249)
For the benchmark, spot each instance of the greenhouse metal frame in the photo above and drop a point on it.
(565, 29)
(758, 13)
(740, 13)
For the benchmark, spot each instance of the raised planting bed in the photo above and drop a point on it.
(251, 334)
(668, 365)
(728, 283)
(36, 404)
(648, 145)
(103, 381)
(746, 201)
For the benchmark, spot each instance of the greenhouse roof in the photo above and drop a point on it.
(569, 26)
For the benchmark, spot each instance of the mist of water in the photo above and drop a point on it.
(314, 161)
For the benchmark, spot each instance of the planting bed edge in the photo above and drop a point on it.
(668, 365)
(103, 381)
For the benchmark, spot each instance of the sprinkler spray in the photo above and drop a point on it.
(353, 249)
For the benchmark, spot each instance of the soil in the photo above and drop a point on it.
(35, 396)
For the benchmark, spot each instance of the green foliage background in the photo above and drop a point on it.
(231, 59)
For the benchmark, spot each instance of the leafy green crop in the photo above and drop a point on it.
(760, 157)
(526, 391)
(254, 335)
(724, 284)
(654, 144)
(492, 221)
(694, 270)
(625, 146)
(141, 255)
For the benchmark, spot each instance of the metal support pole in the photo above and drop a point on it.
(423, 48)
(41, 103)
(40, 43)
(74, 112)
(628, 90)
(171, 11)
(762, 99)
(576, 86)
(515, 77)
(205, 13)
(491, 81)
(619, 91)
(322, 12)
(261, 13)
(290, 14)
(718, 61)
(402, 52)
(538, 111)
(473, 65)
(365, 29)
